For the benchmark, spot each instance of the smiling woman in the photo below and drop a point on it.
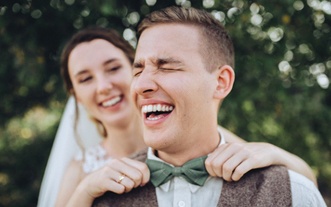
(96, 67)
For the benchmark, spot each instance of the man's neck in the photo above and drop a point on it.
(194, 150)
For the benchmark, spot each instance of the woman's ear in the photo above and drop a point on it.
(225, 81)
(72, 92)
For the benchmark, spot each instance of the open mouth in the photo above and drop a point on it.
(156, 111)
(112, 101)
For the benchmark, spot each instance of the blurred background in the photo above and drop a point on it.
(282, 92)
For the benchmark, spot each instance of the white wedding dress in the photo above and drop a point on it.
(65, 148)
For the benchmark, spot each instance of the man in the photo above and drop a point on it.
(182, 72)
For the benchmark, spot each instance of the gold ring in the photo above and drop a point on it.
(122, 176)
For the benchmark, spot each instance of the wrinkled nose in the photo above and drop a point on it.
(145, 83)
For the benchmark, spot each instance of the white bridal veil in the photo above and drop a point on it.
(63, 150)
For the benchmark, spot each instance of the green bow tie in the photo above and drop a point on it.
(194, 171)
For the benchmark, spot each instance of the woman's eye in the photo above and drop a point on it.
(113, 68)
(85, 79)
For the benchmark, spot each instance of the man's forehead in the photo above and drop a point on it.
(154, 52)
(166, 47)
(168, 32)
(169, 42)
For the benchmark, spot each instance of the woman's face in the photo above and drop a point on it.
(101, 76)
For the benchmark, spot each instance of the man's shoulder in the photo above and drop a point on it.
(304, 192)
(300, 180)
(268, 186)
(140, 196)
(269, 174)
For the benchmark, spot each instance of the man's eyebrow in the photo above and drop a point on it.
(157, 61)
(163, 61)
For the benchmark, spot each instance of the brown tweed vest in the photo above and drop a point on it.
(261, 187)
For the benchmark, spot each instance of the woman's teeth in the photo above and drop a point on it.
(111, 102)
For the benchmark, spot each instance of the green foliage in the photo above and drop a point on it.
(281, 94)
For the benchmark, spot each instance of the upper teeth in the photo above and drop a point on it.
(156, 107)
(111, 101)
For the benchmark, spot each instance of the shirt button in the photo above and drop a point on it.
(181, 204)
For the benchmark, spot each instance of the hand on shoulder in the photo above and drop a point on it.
(232, 160)
(118, 176)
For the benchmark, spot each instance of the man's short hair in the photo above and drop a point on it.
(216, 45)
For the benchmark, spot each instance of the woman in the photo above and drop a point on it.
(96, 67)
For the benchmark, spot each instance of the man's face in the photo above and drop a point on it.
(171, 87)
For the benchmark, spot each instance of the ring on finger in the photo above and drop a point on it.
(120, 178)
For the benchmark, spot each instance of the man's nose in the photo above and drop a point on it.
(145, 83)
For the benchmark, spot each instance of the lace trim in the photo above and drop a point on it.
(95, 158)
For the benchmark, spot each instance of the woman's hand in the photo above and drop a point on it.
(232, 160)
(118, 176)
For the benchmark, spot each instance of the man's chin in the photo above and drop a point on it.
(154, 144)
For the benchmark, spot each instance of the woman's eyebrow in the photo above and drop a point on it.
(109, 61)
(81, 72)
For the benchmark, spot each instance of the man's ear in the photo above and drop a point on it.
(225, 81)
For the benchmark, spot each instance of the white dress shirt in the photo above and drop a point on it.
(178, 192)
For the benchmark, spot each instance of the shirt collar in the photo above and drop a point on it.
(166, 186)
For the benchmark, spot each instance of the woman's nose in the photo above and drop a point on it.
(104, 86)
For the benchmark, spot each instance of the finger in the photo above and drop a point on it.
(215, 161)
(217, 151)
(143, 176)
(120, 182)
(242, 169)
(218, 158)
(231, 164)
(127, 183)
(236, 163)
(210, 161)
(120, 178)
(113, 186)
(209, 168)
(122, 167)
(110, 179)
